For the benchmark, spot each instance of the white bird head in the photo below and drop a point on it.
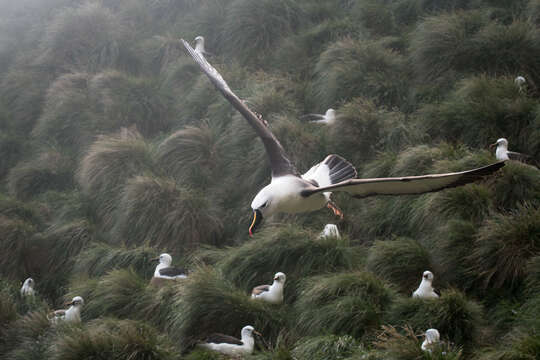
(330, 113)
(280, 277)
(428, 275)
(520, 80)
(263, 205)
(501, 142)
(29, 282)
(165, 259)
(76, 301)
(432, 336)
(248, 331)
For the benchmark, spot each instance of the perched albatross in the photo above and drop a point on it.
(27, 288)
(72, 314)
(328, 118)
(164, 271)
(199, 46)
(426, 290)
(271, 293)
(502, 152)
(291, 192)
(432, 339)
(330, 230)
(230, 345)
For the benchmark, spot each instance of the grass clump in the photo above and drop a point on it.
(351, 68)
(49, 171)
(516, 184)
(108, 164)
(329, 347)
(503, 245)
(452, 314)
(401, 261)
(294, 251)
(209, 303)
(112, 339)
(159, 212)
(347, 303)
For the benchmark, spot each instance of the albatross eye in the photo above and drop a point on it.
(264, 205)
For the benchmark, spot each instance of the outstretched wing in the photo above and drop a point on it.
(279, 162)
(361, 188)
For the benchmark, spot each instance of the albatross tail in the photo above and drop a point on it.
(332, 170)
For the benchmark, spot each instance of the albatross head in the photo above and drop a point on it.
(280, 278)
(76, 301)
(502, 142)
(428, 275)
(165, 259)
(248, 331)
(262, 205)
(432, 336)
(29, 282)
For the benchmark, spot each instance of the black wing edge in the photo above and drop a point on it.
(279, 162)
(222, 338)
(172, 271)
(469, 176)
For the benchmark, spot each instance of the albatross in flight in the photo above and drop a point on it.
(291, 192)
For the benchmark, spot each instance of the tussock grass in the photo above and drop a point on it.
(122, 100)
(116, 339)
(254, 27)
(401, 261)
(99, 258)
(27, 331)
(329, 347)
(346, 303)
(49, 171)
(15, 235)
(517, 345)
(452, 314)
(159, 212)
(11, 148)
(404, 344)
(517, 183)
(83, 38)
(503, 245)
(350, 68)
(192, 154)
(294, 251)
(108, 164)
(114, 294)
(8, 308)
(209, 303)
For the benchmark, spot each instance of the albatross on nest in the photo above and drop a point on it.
(27, 288)
(72, 314)
(291, 192)
(230, 345)
(328, 118)
(164, 271)
(330, 230)
(432, 339)
(271, 293)
(426, 290)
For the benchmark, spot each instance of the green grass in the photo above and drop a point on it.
(347, 303)
(329, 347)
(401, 261)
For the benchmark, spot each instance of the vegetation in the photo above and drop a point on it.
(115, 148)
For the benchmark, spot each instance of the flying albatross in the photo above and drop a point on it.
(426, 290)
(328, 118)
(271, 293)
(291, 192)
(165, 272)
(27, 288)
(230, 345)
(72, 314)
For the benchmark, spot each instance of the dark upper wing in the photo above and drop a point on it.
(221, 338)
(360, 188)
(279, 162)
(260, 289)
(172, 271)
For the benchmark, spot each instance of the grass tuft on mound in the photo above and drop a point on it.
(346, 303)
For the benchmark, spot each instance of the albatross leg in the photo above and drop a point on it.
(335, 209)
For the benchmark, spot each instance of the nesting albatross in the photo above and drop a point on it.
(230, 345)
(291, 192)
(72, 314)
(426, 290)
(27, 288)
(165, 272)
(328, 118)
(271, 293)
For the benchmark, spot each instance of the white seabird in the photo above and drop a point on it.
(72, 314)
(426, 290)
(291, 192)
(330, 230)
(432, 339)
(520, 82)
(230, 345)
(502, 153)
(27, 288)
(271, 293)
(199, 46)
(164, 270)
(328, 118)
